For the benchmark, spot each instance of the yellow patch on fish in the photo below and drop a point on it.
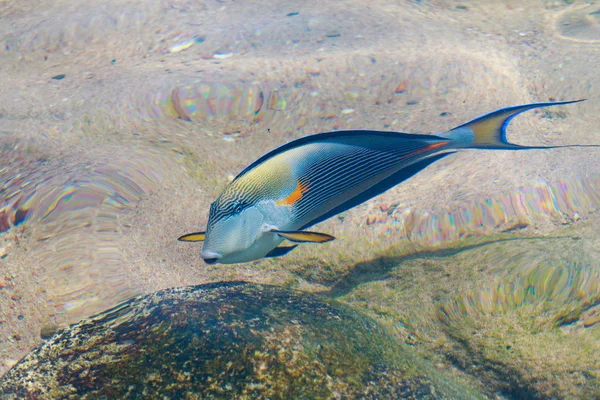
(296, 195)
(487, 130)
(193, 237)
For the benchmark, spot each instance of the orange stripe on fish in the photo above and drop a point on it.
(296, 195)
(434, 146)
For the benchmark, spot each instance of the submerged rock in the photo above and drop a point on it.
(225, 340)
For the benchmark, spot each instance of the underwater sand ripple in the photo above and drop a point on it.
(564, 201)
(74, 225)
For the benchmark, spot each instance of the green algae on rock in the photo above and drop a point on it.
(224, 340)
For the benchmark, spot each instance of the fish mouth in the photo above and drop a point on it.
(210, 257)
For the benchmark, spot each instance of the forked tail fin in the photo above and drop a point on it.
(489, 130)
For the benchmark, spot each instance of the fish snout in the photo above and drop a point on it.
(210, 257)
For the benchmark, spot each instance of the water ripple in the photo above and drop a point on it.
(564, 200)
(74, 222)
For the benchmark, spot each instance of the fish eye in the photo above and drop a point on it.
(238, 207)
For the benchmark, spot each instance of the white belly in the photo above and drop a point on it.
(261, 247)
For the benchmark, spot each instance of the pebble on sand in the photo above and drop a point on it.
(313, 71)
(222, 55)
(176, 48)
(401, 88)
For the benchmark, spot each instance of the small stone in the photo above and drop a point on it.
(346, 111)
(222, 55)
(371, 219)
(516, 226)
(59, 77)
(15, 297)
(313, 71)
(411, 340)
(231, 136)
(301, 123)
(392, 208)
(401, 88)
(276, 102)
(48, 331)
(4, 221)
(591, 320)
(384, 207)
(3, 252)
(3, 283)
(176, 48)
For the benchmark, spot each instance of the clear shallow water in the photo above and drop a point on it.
(121, 121)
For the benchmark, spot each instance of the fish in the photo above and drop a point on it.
(311, 179)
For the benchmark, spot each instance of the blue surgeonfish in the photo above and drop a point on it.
(308, 180)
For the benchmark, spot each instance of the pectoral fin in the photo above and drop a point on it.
(192, 237)
(304, 236)
(280, 251)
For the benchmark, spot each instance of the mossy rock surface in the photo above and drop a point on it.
(225, 340)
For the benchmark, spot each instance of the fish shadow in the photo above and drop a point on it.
(378, 269)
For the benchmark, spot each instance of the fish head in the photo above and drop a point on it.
(233, 227)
